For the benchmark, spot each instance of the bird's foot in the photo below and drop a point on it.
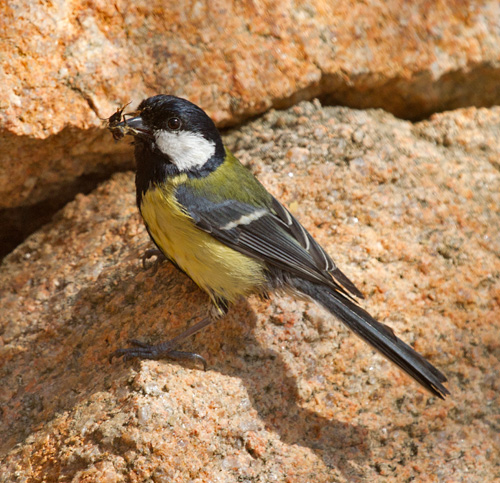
(150, 253)
(165, 350)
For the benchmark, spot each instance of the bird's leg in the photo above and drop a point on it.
(150, 253)
(165, 350)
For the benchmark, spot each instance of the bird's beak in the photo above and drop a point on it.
(132, 126)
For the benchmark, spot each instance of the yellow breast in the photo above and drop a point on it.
(216, 268)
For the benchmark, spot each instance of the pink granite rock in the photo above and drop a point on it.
(410, 212)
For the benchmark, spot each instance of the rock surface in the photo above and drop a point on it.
(67, 64)
(409, 212)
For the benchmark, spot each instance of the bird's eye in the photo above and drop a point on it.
(174, 123)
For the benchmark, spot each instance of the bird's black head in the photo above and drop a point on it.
(173, 114)
(175, 132)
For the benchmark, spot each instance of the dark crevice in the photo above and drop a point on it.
(20, 222)
(418, 97)
(411, 99)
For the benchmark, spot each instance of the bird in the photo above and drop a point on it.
(210, 216)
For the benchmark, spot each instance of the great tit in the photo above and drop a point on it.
(217, 223)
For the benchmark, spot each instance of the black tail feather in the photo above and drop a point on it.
(378, 335)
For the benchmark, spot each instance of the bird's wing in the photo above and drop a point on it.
(269, 233)
(320, 257)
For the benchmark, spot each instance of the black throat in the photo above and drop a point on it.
(154, 167)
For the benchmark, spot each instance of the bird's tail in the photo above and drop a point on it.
(379, 336)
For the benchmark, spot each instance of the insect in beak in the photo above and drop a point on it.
(129, 123)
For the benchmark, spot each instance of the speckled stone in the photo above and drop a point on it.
(408, 211)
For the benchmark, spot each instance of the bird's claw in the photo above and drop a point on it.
(141, 350)
(150, 253)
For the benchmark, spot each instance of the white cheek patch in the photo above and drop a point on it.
(187, 150)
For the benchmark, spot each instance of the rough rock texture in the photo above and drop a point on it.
(64, 65)
(410, 212)
(43, 175)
